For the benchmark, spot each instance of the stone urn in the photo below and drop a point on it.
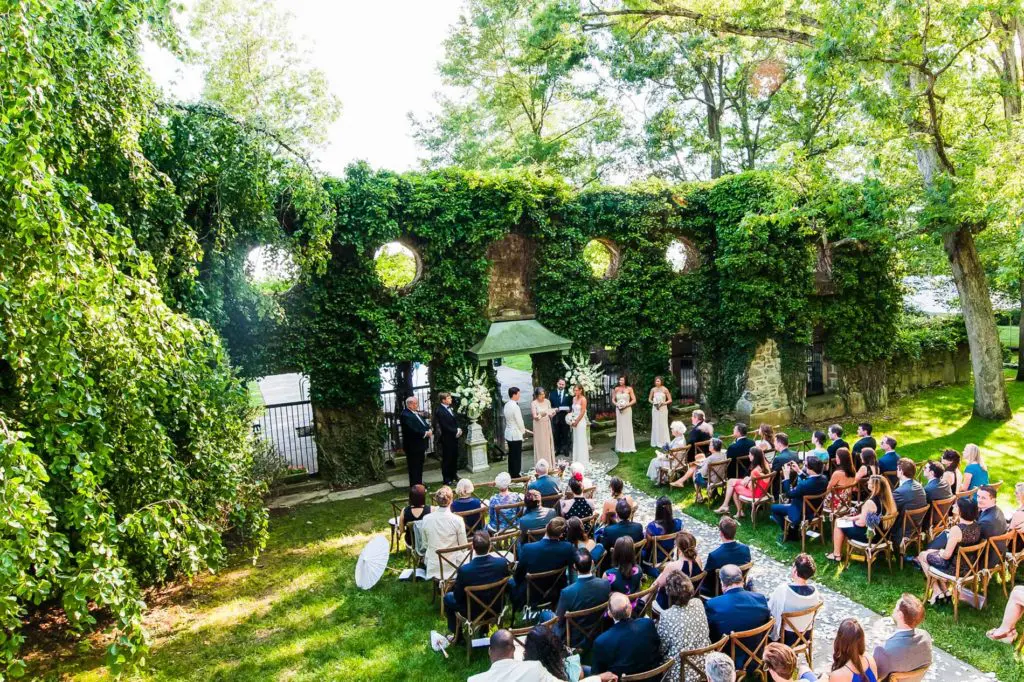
(477, 445)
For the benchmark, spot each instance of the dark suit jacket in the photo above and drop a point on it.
(726, 553)
(865, 442)
(621, 529)
(937, 489)
(543, 555)
(628, 647)
(546, 485)
(536, 518)
(735, 611)
(782, 457)
(738, 451)
(699, 433)
(413, 430)
(585, 593)
(812, 485)
(888, 461)
(447, 423)
(480, 570)
(565, 402)
(993, 523)
(836, 444)
(904, 651)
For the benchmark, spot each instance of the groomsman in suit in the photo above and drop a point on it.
(444, 417)
(415, 438)
(835, 432)
(729, 551)
(561, 400)
(736, 610)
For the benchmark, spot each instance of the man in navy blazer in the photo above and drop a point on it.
(621, 528)
(547, 554)
(736, 610)
(587, 592)
(544, 483)
(811, 482)
(482, 569)
(629, 646)
(889, 460)
(864, 440)
(728, 552)
(738, 451)
(535, 516)
(835, 432)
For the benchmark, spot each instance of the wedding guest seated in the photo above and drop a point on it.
(544, 482)
(505, 668)
(1007, 630)
(482, 569)
(700, 432)
(685, 561)
(608, 510)
(783, 455)
(736, 610)
(467, 502)
(835, 432)
(624, 575)
(908, 648)
(795, 595)
(867, 464)
(908, 495)
(753, 486)
(509, 517)
(976, 472)
(623, 527)
(849, 663)
(587, 592)
(843, 475)
(935, 487)
(796, 487)
(738, 450)
(441, 529)
(544, 646)
(729, 551)
(659, 466)
(663, 523)
(819, 451)
(855, 526)
(683, 625)
(966, 532)
(889, 459)
(864, 439)
(1017, 519)
(629, 646)
(992, 521)
(703, 466)
(781, 664)
(574, 505)
(578, 468)
(765, 438)
(952, 475)
(535, 515)
(719, 668)
(413, 512)
(577, 536)
(547, 554)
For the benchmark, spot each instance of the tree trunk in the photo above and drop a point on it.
(990, 399)
(714, 114)
(1020, 334)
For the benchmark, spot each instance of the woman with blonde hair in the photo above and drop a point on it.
(659, 465)
(975, 473)
(466, 501)
(855, 527)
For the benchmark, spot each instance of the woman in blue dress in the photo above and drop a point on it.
(664, 523)
(975, 473)
(849, 661)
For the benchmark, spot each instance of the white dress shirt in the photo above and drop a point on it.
(441, 529)
(515, 429)
(511, 670)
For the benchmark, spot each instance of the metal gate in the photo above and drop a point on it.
(393, 402)
(684, 367)
(289, 427)
(815, 369)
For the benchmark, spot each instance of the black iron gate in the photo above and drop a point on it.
(289, 427)
(815, 368)
(393, 402)
(683, 365)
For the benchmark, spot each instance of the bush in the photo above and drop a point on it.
(920, 335)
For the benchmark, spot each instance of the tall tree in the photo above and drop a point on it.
(917, 70)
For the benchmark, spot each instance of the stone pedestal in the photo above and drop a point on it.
(477, 448)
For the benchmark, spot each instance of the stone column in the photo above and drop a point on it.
(477, 447)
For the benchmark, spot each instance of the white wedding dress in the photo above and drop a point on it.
(580, 439)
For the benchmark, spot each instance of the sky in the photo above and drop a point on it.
(381, 61)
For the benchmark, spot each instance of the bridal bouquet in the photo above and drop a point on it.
(472, 391)
(622, 401)
(578, 370)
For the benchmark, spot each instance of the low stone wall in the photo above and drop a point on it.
(936, 369)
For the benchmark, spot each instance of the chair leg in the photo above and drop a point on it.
(956, 602)
(869, 559)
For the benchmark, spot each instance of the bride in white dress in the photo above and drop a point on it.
(578, 424)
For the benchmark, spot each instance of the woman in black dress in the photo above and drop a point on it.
(966, 532)
(574, 505)
(414, 511)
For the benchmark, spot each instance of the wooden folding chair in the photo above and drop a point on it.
(967, 493)
(717, 587)
(397, 507)
(894, 480)
(678, 462)
(549, 501)
(589, 524)
(449, 559)
(804, 643)
(938, 519)
(519, 634)
(718, 478)
(652, 674)
(967, 569)
(582, 627)
(659, 555)
(764, 501)
(912, 531)
(648, 597)
(698, 581)
(1015, 554)
(589, 492)
(751, 644)
(812, 519)
(473, 518)
(880, 544)
(501, 523)
(916, 675)
(691, 661)
(534, 535)
(840, 502)
(996, 564)
(485, 606)
(543, 589)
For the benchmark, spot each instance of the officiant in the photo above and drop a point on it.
(444, 418)
(561, 401)
(416, 435)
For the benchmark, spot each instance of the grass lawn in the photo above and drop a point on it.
(923, 426)
(521, 362)
(1009, 336)
(297, 614)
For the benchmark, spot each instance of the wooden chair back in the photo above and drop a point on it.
(589, 492)
(450, 559)
(812, 506)
(718, 476)
(846, 495)
(749, 645)
(582, 627)
(916, 675)
(690, 668)
(549, 501)
(501, 523)
(519, 634)
(660, 555)
(883, 532)
(967, 493)
(995, 559)
(698, 581)
(484, 603)
(647, 596)
(653, 674)
(473, 518)
(589, 523)
(544, 587)
(1015, 547)
(939, 516)
(744, 569)
(970, 560)
(703, 447)
(913, 523)
(893, 479)
(533, 535)
(791, 622)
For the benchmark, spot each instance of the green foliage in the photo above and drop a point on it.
(919, 336)
(598, 257)
(396, 270)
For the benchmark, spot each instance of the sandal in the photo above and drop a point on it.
(720, 510)
(1008, 638)
(831, 556)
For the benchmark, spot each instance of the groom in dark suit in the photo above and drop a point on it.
(444, 417)
(561, 400)
(415, 438)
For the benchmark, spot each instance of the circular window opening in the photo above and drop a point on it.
(271, 268)
(682, 256)
(603, 258)
(397, 265)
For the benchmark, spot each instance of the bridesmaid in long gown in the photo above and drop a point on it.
(660, 399)
(624, 400)
(543, 440)
(580, 439)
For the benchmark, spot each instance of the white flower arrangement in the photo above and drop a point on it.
(622, 400)
(473, 395)
(578, 370)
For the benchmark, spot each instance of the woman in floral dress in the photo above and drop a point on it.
(682, 626)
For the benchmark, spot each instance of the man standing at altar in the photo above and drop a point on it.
(444, 417)
(561, 400)
(416, 435)
(515, 432)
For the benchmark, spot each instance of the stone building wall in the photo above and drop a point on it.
(764, 399)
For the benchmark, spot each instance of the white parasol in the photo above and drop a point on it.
(373, 561)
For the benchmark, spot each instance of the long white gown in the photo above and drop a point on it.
(580, 440)
(624, 441)
(659, 422)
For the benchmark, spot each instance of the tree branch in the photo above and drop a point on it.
(712, 23)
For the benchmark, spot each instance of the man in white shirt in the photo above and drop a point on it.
(505, 668)
(515, 431)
